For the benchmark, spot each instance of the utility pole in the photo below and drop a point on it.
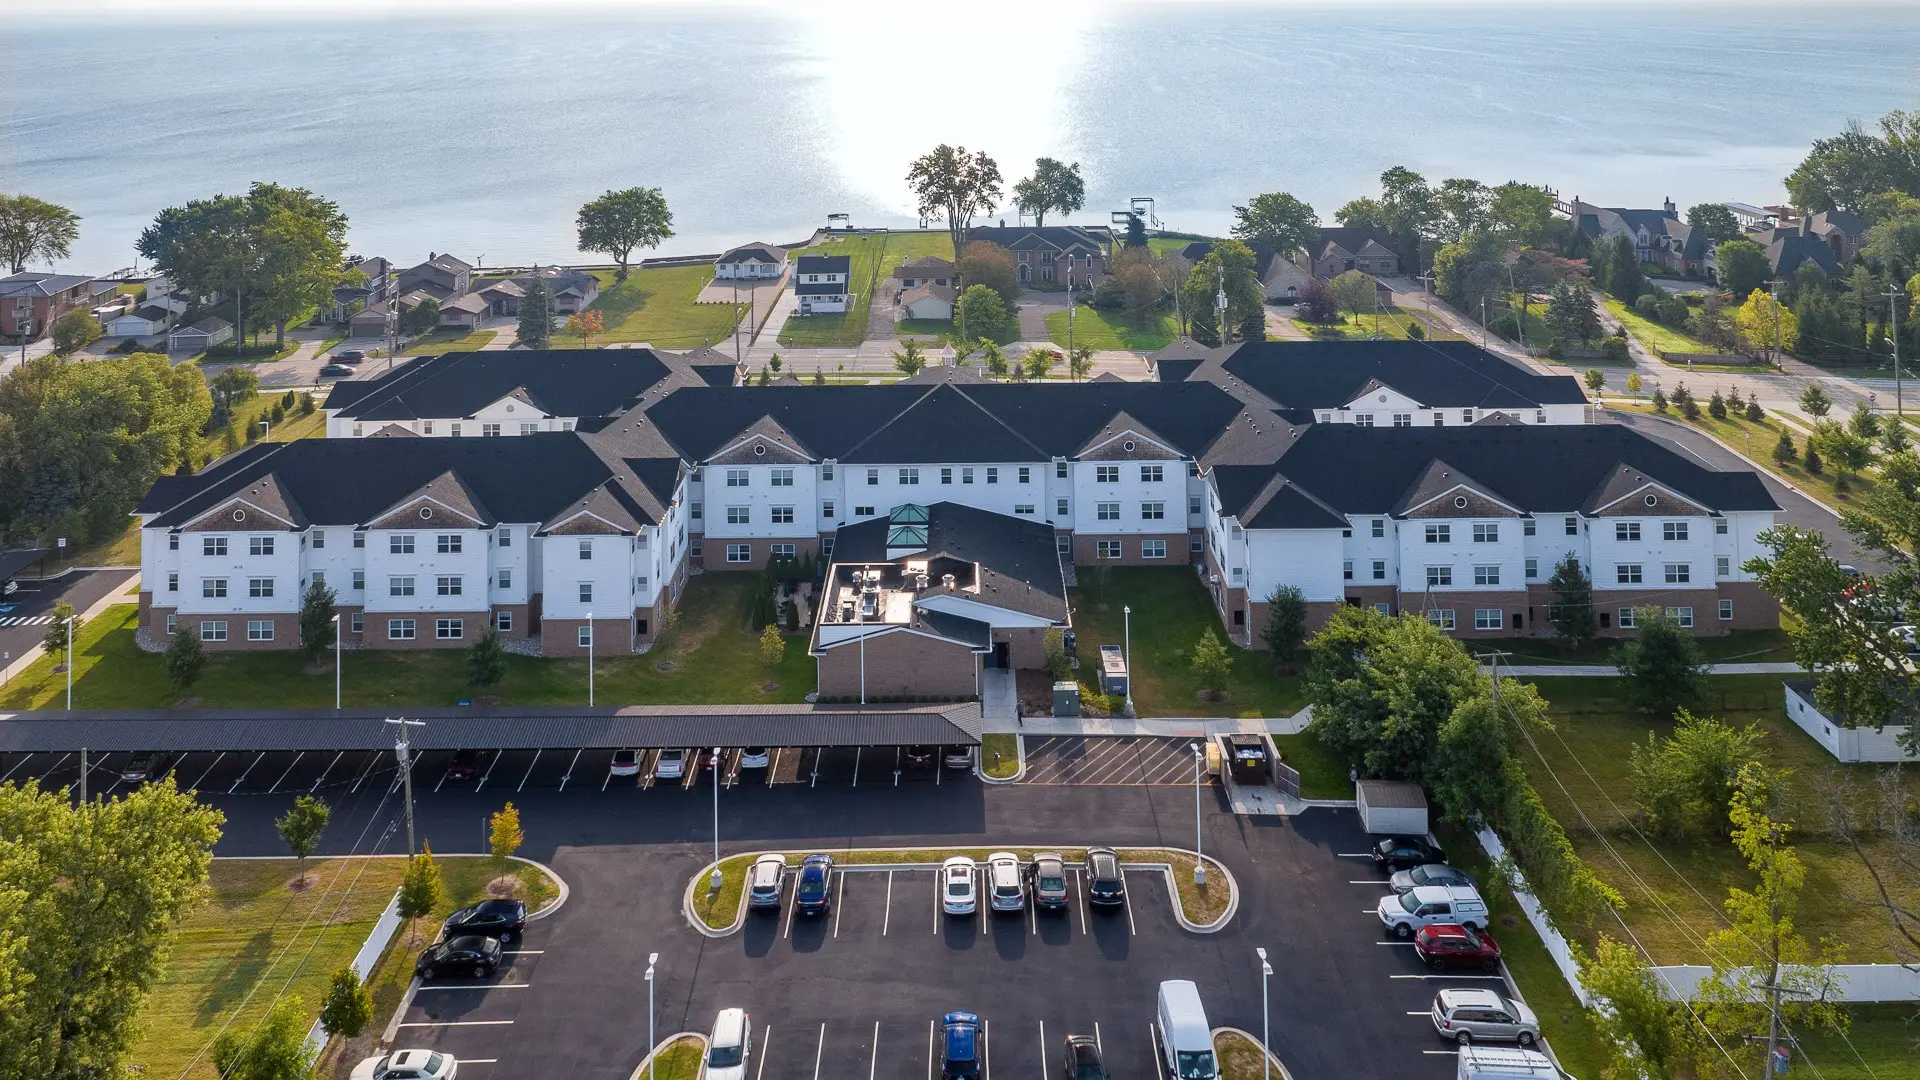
(83, 776)
(1070, 306)
(402, 752)
(1493, 659)
(1894, 296)
(393, 326)
(1483, 322)
(736, 323)
(1773, 291)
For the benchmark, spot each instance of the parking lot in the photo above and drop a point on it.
(1108, 759)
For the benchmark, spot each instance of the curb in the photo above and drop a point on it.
(1759, 468)
(640, 1070)
(1019, 758)
(1250, 1037)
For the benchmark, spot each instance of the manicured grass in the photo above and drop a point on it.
(873, 255)
(714, 658)
(1322, 774)
(1652, 335)
(1390, 325)
(1000, 755)
(681, 1060)
(1171, 610)
(262, 352)
(1675, 888)
(1111, 330)
(446, 341)
(1166, 245)
(1756, 443)
(1741, 646)
(656, 305)
(1883, 1042)
(934, 328)
(1240, 1058)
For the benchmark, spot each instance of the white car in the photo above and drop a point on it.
(729, 1045)
(956, 886)
(672, 765)
(755, 757)
(407, 1065)
(625, 763)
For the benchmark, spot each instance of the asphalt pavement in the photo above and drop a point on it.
(26, 615)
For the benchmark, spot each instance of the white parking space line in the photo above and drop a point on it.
(1418, 1012)
(608, 779)
(980, 902)
(1501, 978)
(840, 894)
(773, 769)
(929, 1050)
(1126, 901)
(856, 766)
(766, 1037)
(873, 1061)
(480, 986)
(986, 1052)
(1043, 1050)
(443, 777)
(16, 768)
(1081, 895)
(477, 1061)
(793, 901)
(1153, 1048)
(1033, 915)
(455, 1023)
(1371, 881)
(570, 765)
(529, 773)
(118, 780)
(523, 952)
(938, 885)
(325, 771)
(195, 786)
(497, 755)
(887, 913)
(1442, 1053)
(372, 760)
(249, 771)
(1353, 855)
(289, 772)
(818, 1050)
(1408, 944)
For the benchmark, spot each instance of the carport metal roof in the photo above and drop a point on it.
(504, 728)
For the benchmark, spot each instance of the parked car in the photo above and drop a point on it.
(465, 765)
(728, 1046)
(1405, 853)
(764, 879)
(959, 757)
(704, 759)
(1006, 887)
(1186, 1039)
(470, 954)
(1404, 913)
(335, 371)
(671, 766)
(1445, 945)
(1470, 1015)
(919, 755)
(350, 356)
(960, 1046)
(407, 1065)
(1429, 874)
(956, 886)
(1047, 877)
(755, 757)
(1105, 884)
(813, 889)
(1080, 1059)
(143, 767)
(503, 919)
(1501, 1063)
(625, 763)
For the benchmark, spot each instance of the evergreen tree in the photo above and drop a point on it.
(1662, 664)
(1813, 463)
(1783, 451)
(186, 658)
(1136, 232)
(1286, 629)
(1624, 277)
(1814, 401)
(1717, 406)
(536, 314)
(486, 659)
(1571, 614)
(1213, 663)
(1659, 400)
(317, 628)
(1754, 412)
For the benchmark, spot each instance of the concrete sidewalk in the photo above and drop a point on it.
(1608, 669)
(1179, 726)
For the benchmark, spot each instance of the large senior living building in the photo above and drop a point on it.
(569, 494)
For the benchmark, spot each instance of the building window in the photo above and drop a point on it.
(528, 429)
(173, 582)
(1488, 618)
(426, 428)
(1023, 508)
(1401, 419)
(1539, 416)
(1107, 511)
(359, 539)
(826, 471)
(213, 545)
(1025, 474)
(1439, 534)
(993, 474)
(739, 553)
(1196, 543)
(738, 515)
(946, 475)
(319, 577)
(1107, 549)
(1626, 530)
(586, 549)
(213, 587)
(1722, 566)
(173, 621)
(1678, 573)
(909, 477)
(1153, 511)
(1719, 526)
(1193, 506)
(399, 629)
(863, 511)
(448, 543)
(449, 629)
(260, 587)
(503, 621)
(1379, 569)
(1442, 618)
(506, 578)
(259, 545)
(1626, 618)
(1673, 530)
(400, 586)
(1726, 610)
(586, 592)
(784, 551)
(583, 636)
(213, 630)
(1526, 527)
(448, 585)
(358, 624)
(873, 477)
(488, 430)
(1466, 416)
(455, 430)
(1439, 575)
(1106, 474)
(1573, 526)
(400, 544)
(966, 475)
(319, 539)
(1486, 575)
(1153, 549)
(1681, 615)
(1152, 474)
(782, 515)
(695, 510)
(259, 629)
(694, 548)
(1379, 528)
(359, 580)
(1364, 419)
(826, 548)
(1059, 470)
(783, 477)
(173, 542)
(1533, 569)
(736, 478)
(1626, 574)
(1060, 507)
(1486, 533)
(1346, 570)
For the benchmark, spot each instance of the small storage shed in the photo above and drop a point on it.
(1392, 807)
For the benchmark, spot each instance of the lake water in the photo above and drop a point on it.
(482, 136)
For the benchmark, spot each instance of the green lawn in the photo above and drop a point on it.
(1111, 330)
(656, 305)
(1390, 325)
(1171, 610)
(1322, 774)
(713, 656)
(446, 341)
(873, 255)
(1882, 1043)
(1653, 335)
(1000, 755)
(1741, 646)
(934, 328)
(1167, 245)
(1590, 754)
(1756, 442)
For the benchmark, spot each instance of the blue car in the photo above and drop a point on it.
(813, 888)
(960, 1053)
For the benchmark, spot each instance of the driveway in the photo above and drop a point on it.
(26, 615)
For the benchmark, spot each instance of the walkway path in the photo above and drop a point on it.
(1606, 670)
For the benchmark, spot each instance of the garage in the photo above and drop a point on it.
(1391, 807)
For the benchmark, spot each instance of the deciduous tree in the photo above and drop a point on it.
(1662, 664)
(1471, 269)
(1646, 1036)
(1278, 221)
(1522, 213)
(1080, 361)
(909, 358)
(303, 824)
(982, 314)
(275, 1048)
(1212, 663)
(1846, 171)
(1054, 187)
(1742, 265)
(585, 324)
(75, 331)
(302, 243)
(773, 647)
(486, 659)
(1317, 304)
(1037, 361)
(1766, 324)
(420, 888)
(62, 630)
(33, 229)
(954, 184)
(1715, 220)
(984, 262)
(1462, 206)
(1381, 688)
(504, 835)
(348, 1008)
(421, 318)
(1355, 291)
(619, 221)
(1684, 783)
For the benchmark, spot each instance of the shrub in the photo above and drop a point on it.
(1673, 310)
(1717, 406)
(1647, 306)
(1416, 332)
(1813, 462)
(1615, 348)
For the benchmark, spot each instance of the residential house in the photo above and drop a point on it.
(31, 301)
(1659, 236)
(1791, 241)
(751, 262)
(1281, 280)
(465, 312)
(200, 336)
(928, 302)
(1341, 248)
(143, 321)
(502, 297)
(377, 288)
(926, 270)
(441, 277)
(1050, 254)
(821, 283)
(370, 321)
(573, 290)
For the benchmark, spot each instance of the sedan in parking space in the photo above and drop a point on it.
(335, 371)
(407, 1065)
(959, 757)
(504, 919)
(755, 757)
(1081, 1061)
(1428, 874)
(919, 755)
(1467, 1016)
(625, 763)
(672, 765)
(1047, 877)
(1445, 945)
(960, 1046)
(1006, 886)
(763, 881)
(813, 888)
(1105, 885)
(467, 955)
(956, 886)
(465, 765)
(1405, 853)
(143, 767)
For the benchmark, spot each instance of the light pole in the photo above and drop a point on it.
(713, 882)
(652, 959)
(402, 753)
(1266, 1049)
(1199, 763)
(338, 655)
(266, 431)
(1126, 637)
(589, 659)
(70, 619)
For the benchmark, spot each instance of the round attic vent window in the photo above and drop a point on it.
(1460, 501)
(1383, 397)
(760, 450)
(239, 515)
(1127, 446)
(509, 408)
(1653, 500)
(426, 512)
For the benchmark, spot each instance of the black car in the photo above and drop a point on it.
(335, 371)
(813, 888)
(919, 755)
(503, 919)
(350, 356)
(1081, 1059)
(1405, 852)
(465, 765)
(470, 954)
(1105, 885)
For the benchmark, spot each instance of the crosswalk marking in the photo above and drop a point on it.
(27, 620)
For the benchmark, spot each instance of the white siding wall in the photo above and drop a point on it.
(1307, 559)
(425, 565)
(610, 571)
(237, 567)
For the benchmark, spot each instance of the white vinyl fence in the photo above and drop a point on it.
(363, 961)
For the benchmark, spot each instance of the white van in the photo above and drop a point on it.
(1500, 1063)
(1185, 1037)
(727, 1049)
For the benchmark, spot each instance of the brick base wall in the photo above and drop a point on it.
(899, 665)
(611, 637)
(713, 550)
(286, 630)
(472, 624)
(1086, 548)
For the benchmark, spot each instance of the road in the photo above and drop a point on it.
(26, 615)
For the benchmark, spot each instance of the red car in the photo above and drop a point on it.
(1445, 945)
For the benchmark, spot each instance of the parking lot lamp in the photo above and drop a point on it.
(1266, 1053)
(589, 659)
(1199, 766)
(714, 882)
(1126, 639)
(338, 645)
(652, 959)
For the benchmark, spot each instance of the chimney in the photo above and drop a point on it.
(1670, 208)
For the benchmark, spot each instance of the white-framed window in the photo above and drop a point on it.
(214, 588)
(259, 545)
(909, 477)
(1193, 506)
(1152, 474)
(1486, 532)
(1196, 543)
(1023, 508)
(782, 515)
(447, 585)
(319, 577)
(1379, 569)
(449, 543)
(1682, 616)
(1487, 618)
(1439, 575)
(400, 544)
(1678, 573)
(488, 430)
(173, 541)
(1573, 526)
(737, 478)
(1106, 474)
(738, 515)
(826, 510)
(213, 630)
(1673, 530)
(1627, 574)
(1153, 511)
(1378, 528)
(356, 430)
(966, 474)
(1722, 566)
(826, 471)
(359, 580)
(173, 621)
(213, 545)
(1486, 575)
(1024, 474)
(1626, 530)
(1466, 416)
(504, 538)
(993, 474)
(449, 629)
(1346, 570)
(528, 429)
(259, 629)
(1726, 610)
(1106, 511)
(640, 584)
(1439, 532)
(694, 547)
(695, 510)
(454, 429)
(585, 592)
(946, 474)
(739, 553)
(505, 580)
(1060, 507)
(260, 587)
(1526, 526)
(1533, 569)
(1441, 617)
(359, 538)
(358, 624)
(1107, 549)
(1720, 527)
(1402, 419)
(784, 551)
(583, 636)
(826, 548)
(1059, 470)
(426, 428)
(173, 581)
(503, 621)
(1153, 549)
(1539, 416)
(1364, 419)
(863, 511)
(399, 629)
(400, 586)
(1626, 619)
(319, 539)
(586, 549)
(873, 477)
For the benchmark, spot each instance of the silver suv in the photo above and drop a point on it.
(1468, 1016)
(1404, 913)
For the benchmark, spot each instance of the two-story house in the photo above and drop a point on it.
(30, 301)
(1658, 236)
(1340, 248)
(1050, 254)
(821, 283)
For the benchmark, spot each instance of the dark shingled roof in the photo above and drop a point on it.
(823, 264)
(1018, 560)
(1440, 374)
(560, 382)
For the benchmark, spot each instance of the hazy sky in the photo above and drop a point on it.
(259, 9)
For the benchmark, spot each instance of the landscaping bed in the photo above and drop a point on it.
(1000, 756)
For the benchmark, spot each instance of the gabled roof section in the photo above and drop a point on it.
(443, 497)
(266, 495)
(1268, 500)
(1330, 374)
(451, 386)
(1119, 429)
(949, 415)
(1439, 480)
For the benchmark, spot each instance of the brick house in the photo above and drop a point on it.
(1342, 248)
(30, 302)
(1050, 254)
